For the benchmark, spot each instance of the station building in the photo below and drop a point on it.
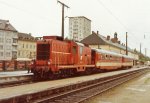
(95, 40)
(26, 47)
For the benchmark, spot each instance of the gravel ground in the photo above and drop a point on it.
(134, 91)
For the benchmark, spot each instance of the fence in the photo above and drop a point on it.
(14, 65)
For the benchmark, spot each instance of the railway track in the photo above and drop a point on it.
(89, 89)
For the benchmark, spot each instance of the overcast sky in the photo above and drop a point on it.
(43, 17)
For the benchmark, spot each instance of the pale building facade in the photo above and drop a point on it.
(8, 41)
(79, 27)
(26, 47)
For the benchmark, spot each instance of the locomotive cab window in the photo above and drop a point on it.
(81, 50)
(74, 49)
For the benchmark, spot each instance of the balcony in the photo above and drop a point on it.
(15, 44)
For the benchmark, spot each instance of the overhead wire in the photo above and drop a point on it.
(27, 12)
(117, 19)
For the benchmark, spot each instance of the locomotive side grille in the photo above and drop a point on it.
(43, 51)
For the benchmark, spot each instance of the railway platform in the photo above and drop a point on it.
(13, 76)
(29, 91)
(14, 73)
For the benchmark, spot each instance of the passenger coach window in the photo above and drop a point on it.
(110, 57)
(106, 56)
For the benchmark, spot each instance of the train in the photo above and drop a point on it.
(55, 56)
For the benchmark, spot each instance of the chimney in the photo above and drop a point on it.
(7, 24)
(115, 38)
(93, 32)
(115, 35)
(97, 32)
(108, 37)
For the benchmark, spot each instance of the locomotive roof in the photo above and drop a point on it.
(80, 44)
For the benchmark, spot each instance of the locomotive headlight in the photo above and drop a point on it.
(49, 62)
(32, 62)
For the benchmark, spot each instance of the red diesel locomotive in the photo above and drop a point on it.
(62, 57)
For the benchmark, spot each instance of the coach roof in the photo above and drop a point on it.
(108, 52)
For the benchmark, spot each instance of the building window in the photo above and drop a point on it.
(19, 46)
(14, 40)
(7, 54)
(14, 47)
(1, 47)
(34, 47)
(22, 53)
(1, 40)
(22, 45)
(14, 55)
(8, 40)
(27, 46)
(30, 46)
(8, 47)
(19, 53)
(1, 54)
(1, 34)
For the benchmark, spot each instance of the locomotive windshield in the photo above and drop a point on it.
(43, 51)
